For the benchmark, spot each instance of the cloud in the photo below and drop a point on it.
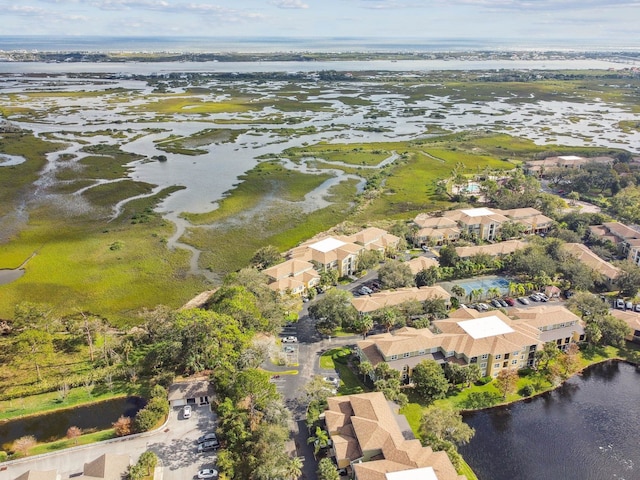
(295, 4)
(391, 5)
(544, 5)
(22, 10)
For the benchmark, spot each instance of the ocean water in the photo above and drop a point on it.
(282, 44)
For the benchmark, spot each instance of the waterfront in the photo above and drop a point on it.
(584, 430)
(53, 425)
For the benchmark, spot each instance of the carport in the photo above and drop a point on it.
(194, 392)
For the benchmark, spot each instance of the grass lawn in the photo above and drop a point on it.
(328, 358)
(66, 443)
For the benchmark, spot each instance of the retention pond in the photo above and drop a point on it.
(585, 430)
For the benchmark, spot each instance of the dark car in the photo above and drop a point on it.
(208, 446)
(503, 303)
(208, 437)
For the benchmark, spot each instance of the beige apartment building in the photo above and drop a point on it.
(481, 223)
(490, 339)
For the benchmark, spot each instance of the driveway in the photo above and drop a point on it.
(175, 444)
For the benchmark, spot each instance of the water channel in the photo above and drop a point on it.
(53, 425)
(585, 430)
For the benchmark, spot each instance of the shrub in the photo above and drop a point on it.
(528, 390)
(123, 426)
(158, 391)
(484, 380)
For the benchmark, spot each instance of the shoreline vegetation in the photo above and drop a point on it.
(71, 56)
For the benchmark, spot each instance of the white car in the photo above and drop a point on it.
(186, 411)
(208, 473)
(332, 380)
(290, 339)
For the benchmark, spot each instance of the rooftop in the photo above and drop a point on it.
(327, 244)
(425, 473)
(477, 212)
(485, 327)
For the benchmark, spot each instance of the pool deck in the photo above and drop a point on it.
(484, 282)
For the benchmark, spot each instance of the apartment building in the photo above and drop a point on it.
(480, 223)
(294, 276)
(608, 271)
(389, 298)
(330, 253)
(491, 339)
(627, 238)
(367, 440)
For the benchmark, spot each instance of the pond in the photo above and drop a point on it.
(585, 430)
(53, 425)
(10, 275)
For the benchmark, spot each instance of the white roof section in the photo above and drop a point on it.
(485, 327)
(425, 473)
(478, 212)
(327, 244)
(570, 157)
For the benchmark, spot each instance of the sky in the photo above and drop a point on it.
(601, 23)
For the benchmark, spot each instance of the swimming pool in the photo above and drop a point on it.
(484, 283)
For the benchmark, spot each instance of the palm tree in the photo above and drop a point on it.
(320, 440)
(477, 293)
(458, 291)
(494, 292)
(293, 468)
(365, 368)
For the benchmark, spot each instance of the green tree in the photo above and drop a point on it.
(327, 470)
(395, 274)
(387, 317)
(429, 381)
(474, 373)
(365, 369)
(629, 279)
(266, 257)
(369, 259)
(445, 424)
(148, 461)
(435, 308)
(363, 324)
(253, 388)
(427, 276)
(549, 352)
(293, 468)
(333, 310)
(448, 256)
(458, 291)
(320, 440)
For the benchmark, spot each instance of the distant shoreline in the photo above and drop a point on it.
(108, 55)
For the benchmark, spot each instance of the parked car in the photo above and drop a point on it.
(290, 339)
(208, 446)
(496, 303)
(628, 305)
(543, 297)
(483, 307)
(186, 411)
(509, 301)
(425, 248)
(332, 380)
(637, 307)
(503, 303)
(289, 349)
(620, 303)
(523, 301)
(208, 437)
(364, 290)
(534, 297)
(208, 473)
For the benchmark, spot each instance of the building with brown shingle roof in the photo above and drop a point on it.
(39, 475)
(494, 249)
(593, 261)
(367, 440)
(422, 263)
(490, 339)
(389, 298)
(632, 319)
(295, 276)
